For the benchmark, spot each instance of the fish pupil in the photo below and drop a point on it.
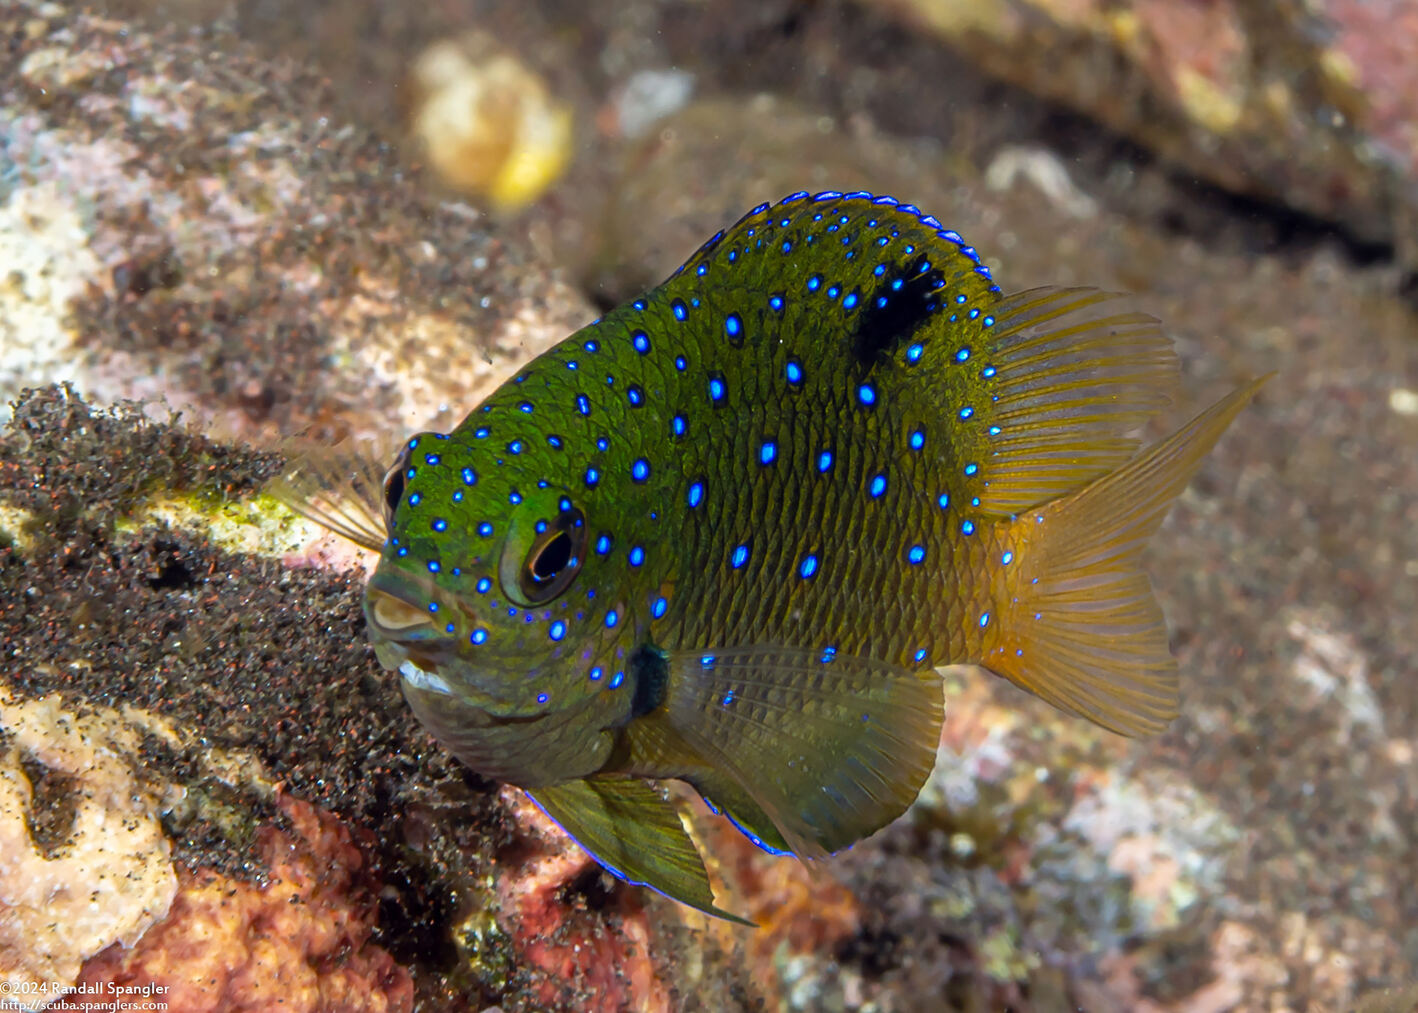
(554, 559)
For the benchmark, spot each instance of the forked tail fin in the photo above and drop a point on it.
(1078, 623)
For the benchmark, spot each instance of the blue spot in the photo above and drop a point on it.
(702, 270)
(403, 550)
(767, 452)
(880, 269)
(987, 372)
(824, 460)
(832, 291)
(639, 304)
(966, 412)
(970, 469)
(542, 698)
(619, 677)
(457, 495)
(916, 555)
(1007, 558)
(478, 636)
(968, 527)
(431, 459)
(921, 655)
(637, 556)
(677, 425)
(984, 620)
(733, 326)
(696, 494)
(634, 395)
(450, 627)
(612, 617)
(592, 476)
(918, 440)
(776, 303)
(960, 299)
(716, 388)
(994, 430)
(877, 487)
(413, 443)
(557, 631)
(740, 557)
(602, 443)
(433, 606)
(592, 345)
(988, 321)
(603, 544)
(974, 314)
(866, 394)
(525, 407)
(640, 470)
(641, 341)
(439, 524)
(814, 283)
(433, 566)
(678, 309)
(411, 473)
(572, 364)
(658, 608)
(913, 354)
(485, 529)
(808, 567)
(596, 673)
(787, 245)
(484, 586)
(793, 371)
(943, 500)
(583, 404)
(681, 363)
(414, 499)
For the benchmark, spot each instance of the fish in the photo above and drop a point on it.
(727, 533)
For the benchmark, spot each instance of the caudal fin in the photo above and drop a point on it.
(1081, 627)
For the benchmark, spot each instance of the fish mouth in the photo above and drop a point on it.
(401, 623)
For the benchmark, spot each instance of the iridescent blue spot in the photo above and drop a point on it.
(411, 473)
(970, 469)
(637, 556)
(639, 304)
(542, 698)
(776, 303)
(696, 494)
(634, 395)
(640, 470)
(916, 555)
(677, 425)
(740, 557)
(457, 495)
(583, 404)
(966, 412)
(960, 298)
(921, 655)
(572, 364)
(554, 441)
(557, 631)
(592, 476)
(612, 617)
(832, 291)
(994, 430)
(413, 443)
(962, 355)
(793, 371)
(877, 487)
(880, 269)
(603, 545)
(716, 388)
(678, 309)
(814, 283)
(787, 245)
(913, 354)
(658, 608)
(767, 452)
(433, 606)
(602, 443)
(702, 270)
(681, 363)
(882, 240)
(1007, 558)
(565, 504)
(485, 529)
(403, 550)
(808, 567)
(484, 586)
(414, 499)
(866, 394)
(896, 284)
(987, 372)
(733, 326)
(478, 636)
(641, 341)
(451, 627)
(619, 677)
(592, 345)
(943, 500)
(470, 477)
(525, 407)
(824, 460)
(514, 497)
(431, 459)
(988, 321)
(975, 501)
(433, 566)
(918, 440)
(595, 674)
(968, 527)
(984, 620)
(439, 524)
(974, 314)
(850, 301)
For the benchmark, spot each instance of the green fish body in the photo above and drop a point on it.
(726, 533)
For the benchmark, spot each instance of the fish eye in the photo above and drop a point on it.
(550, 563)
(394, 488)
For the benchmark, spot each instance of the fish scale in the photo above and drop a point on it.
(726, 532)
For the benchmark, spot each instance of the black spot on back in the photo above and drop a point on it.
(649, 673)
(881, 328)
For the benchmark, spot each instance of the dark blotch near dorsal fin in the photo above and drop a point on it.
(881, 327)
(649, 674)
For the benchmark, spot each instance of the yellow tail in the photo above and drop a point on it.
(1078, 623)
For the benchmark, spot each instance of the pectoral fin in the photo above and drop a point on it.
(627, 826)
(829, 748)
